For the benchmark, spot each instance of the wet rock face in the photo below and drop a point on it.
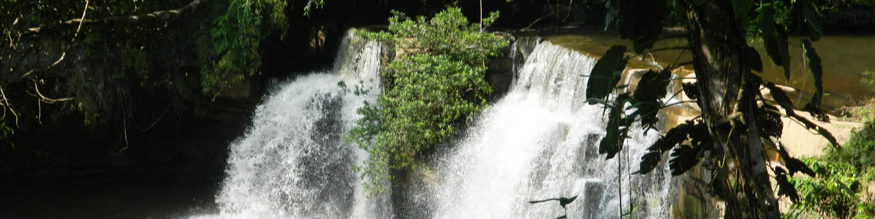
(594, 190)
(869, 193)
(500, 76)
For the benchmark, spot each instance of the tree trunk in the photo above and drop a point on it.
(726, 89)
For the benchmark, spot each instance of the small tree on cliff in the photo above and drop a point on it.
(437, 79)
(737, 123)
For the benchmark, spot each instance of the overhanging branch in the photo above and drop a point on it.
(131, 19)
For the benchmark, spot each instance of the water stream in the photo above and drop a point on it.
(539, 141)
(293, 162)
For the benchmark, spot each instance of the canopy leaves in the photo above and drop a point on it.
(648, 95)
(616, 134)
(605, 74)
(812, 18)
(816, 69)
(774, 39)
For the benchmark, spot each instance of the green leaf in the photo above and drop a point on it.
(812, 19)
(648, 162)
(602, 79)
(816, 69)
(683, 158)
(651, 89)
(774, 39)
(613, 140)
(753, 59)
(674, 136)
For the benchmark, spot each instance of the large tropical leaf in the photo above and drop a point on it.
(774, 39)
(753, 59)
(816, 69)
(602, 78)
(673, 137)
(812, 18)
(648, 162)
(648, 95)
(683, 158)
(613, 140)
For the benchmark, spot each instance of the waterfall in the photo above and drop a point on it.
(541, 141)
(293, 163)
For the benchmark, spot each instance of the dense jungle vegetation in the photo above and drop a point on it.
(737, 125)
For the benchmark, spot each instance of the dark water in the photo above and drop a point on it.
(107, 197)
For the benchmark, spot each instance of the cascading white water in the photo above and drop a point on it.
(541, 141)
(293, 163)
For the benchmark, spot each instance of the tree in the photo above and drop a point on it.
(92, 59)
(737, 122)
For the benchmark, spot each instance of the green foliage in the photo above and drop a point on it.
(616, 129)
(835, 193)
(437, 81)
(842, 175)
(606, 73)
(816, 69)
(235, 36)
(725, 62)
(869, 79)
(774, 38)
(648, 95)
(6, 133)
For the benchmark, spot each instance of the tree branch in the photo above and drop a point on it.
(8, 106)
(130, 19)
(45, 99)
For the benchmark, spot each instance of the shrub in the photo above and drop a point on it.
(842, 174)
(436, 80)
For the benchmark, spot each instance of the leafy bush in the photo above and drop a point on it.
(232, 52)
(235, 38)
(436, 80)
(868, 79)
(842, 174)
